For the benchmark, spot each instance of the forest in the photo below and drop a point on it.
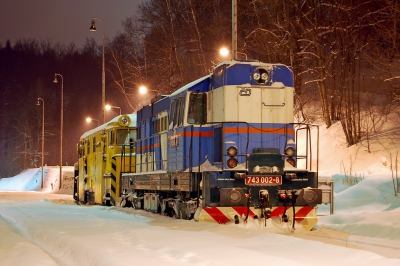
(344, 53)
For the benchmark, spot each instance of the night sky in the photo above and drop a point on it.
(63, 21)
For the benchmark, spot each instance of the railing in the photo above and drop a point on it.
(308, 154)
(131, 147)
(151, 156)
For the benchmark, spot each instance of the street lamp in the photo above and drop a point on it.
(88, 119)
(225, 52)
(62, 110)
(38, 103)
(144, 90)
(108, 107)
(103, 78)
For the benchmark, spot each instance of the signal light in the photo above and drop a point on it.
(291, 161)
(232, 151)
(290, 151)
(232, 162)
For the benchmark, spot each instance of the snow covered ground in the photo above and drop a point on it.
(30, 180)
(45, 228)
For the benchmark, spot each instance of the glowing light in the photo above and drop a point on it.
(224, 51)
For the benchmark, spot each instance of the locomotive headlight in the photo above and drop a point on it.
(256, 76)
(232, 162)
(124, 121)
(232, 151)
(261, 75)
(264, 76)
(290, 151)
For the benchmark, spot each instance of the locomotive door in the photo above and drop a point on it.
(249, 104)
(277, 107)
(163, 126)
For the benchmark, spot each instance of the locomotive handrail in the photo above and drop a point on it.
(308, 156)
(273, 105)
(150, 139)
(191, 149)
(123, 156)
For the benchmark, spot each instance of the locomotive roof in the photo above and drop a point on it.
(110, 123)
(189, 85)
(248, 62)
(229, 63)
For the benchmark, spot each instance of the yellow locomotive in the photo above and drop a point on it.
(103, 154)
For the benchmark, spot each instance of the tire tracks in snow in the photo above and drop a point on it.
(383, 247)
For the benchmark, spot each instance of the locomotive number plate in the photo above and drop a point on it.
(263, 180)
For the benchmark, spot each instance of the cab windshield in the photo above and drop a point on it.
(125, 136)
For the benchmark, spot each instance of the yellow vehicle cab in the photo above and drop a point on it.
(104, 153)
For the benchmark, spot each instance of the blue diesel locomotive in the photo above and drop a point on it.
(225, 149)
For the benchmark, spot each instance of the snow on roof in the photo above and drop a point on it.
(189, 85)
(109, 123)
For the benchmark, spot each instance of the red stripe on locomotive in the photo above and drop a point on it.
(217, 215)
(242, 210)
(301, 213)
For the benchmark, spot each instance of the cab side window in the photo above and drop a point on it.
(197, 111)
(172, 115)
(88, 146)
(177, 113)
(111, 138)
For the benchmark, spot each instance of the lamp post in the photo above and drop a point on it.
(103, 77)
(144, 52)
(62, 110)
(38, 103)
(234, 30)
(108, 107)
(88, 119)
